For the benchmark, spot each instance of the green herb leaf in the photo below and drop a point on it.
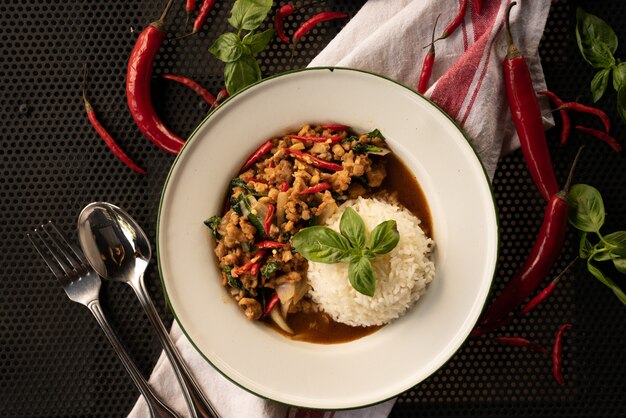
(361, 275)
(587, 208)
(585, 247)
(621, 103)
(227, 47)
(606, 281)
(367, 149)
(350, 138)
(241, 73)
(596, 40)
(375, 134)
(270, 268)
(322, 245)
(239, 182)
(617, 243)
(620, 264)
(619, 76)
(384, 237)
(600, 82)
(232, 281)
(213, 223)
(249, 14)
(258, 41)
(352, 227)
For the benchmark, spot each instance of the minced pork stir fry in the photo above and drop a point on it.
(289, 183)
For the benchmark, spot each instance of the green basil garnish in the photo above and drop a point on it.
(587, 212)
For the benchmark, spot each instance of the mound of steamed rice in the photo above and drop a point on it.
(401, 275)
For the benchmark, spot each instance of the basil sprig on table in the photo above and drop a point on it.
(241, 67)
(597, 43)
(587, 215)
(324, 245)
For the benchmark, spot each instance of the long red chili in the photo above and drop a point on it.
(527, 117)
(279, 21)
(522, 342)
(427, 65)
(565, 120)
(314, 161)
(317, 188)
(489, 327)
(333, 139)
(270, 305)
(190, 6)
(270, 244)
(578, 107)
(557, 354)
(138, 79)
(602, 136)
(104, 134)
(458, 19)
(267, 222)
(547, 291)
(193, 85)
(202, 16)
(254, 261)
(314, 21)
(256, 155)
(542, 257)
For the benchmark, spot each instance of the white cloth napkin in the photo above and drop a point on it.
(387, 37)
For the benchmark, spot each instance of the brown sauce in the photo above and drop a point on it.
(318, 327)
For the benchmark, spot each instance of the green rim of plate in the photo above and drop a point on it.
(217, 109)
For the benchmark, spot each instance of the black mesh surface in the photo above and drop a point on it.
(54, 360)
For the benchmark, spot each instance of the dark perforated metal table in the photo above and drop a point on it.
(55, 362)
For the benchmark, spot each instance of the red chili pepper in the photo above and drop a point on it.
(522, 342)
(279, 21)
(478, 6)
(557, 354)
(138, 79)
(256, 155)
(317, 188)
(221, 95)
(565, 121)
(578, 107)
(271, 164)
(193, 85)
(527, 117)
(333, 139)
(270, 305)
(270, 244)
(335, 127)
(312, 22)
(104, 134)
(542, 257)
(250, 264)
(202, 16)
(543, 295)
(314, 161)
(190, 6)
(489, 327)
(284, 187)
(267, 222)
(458, 19)
(427, 66)
(254, 180)
(602, 136)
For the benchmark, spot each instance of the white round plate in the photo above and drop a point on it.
(401, 354)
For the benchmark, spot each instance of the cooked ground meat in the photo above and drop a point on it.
(272, 200)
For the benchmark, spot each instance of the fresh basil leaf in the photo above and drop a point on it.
(367, 149)
(352, 227)
(620, 264)
(585, 247)
(249, 14)
(617, 243)
(361, 275)
(241, 73)
(227, 47)
(384, 237)
(619, 76)
(587, 208)
(232, 281)
(599, 83)
(213, 223)
(257, 42)
(239, 182)
(600, 253)
(321, 244)
(621, 103)
(596, 40)
(606, 281)
(270, 268)
(350, 138)
(375, 134)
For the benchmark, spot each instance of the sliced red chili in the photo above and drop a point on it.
(267, 222)
(333, 139)
(270, 244)
(256, 155)
(317, 188)
(256, 260)
(527, 117)
(335, 127)
(522, 342)
(602, 136)
(557, 354)
(314, 161)
(193, 85)
(270, 305)
(284, 187)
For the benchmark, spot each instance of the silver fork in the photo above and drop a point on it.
(82, 285)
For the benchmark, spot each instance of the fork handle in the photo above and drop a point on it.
(157, 408)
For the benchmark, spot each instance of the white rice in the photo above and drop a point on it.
(401, 275)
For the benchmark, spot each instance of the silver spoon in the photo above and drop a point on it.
(119, 250)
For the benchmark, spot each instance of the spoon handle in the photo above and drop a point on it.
(157, 408)
(199, 405)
